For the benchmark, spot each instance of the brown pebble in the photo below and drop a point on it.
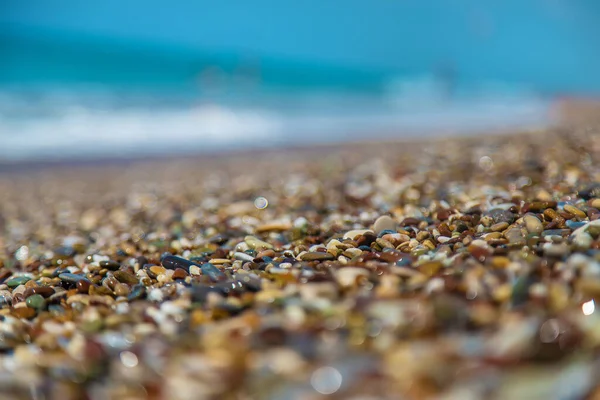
(266, 253)
(316, 256)
(4, 274)
(45, 291)
(23, 312)
(125, 277)
(492, 236)
(179, 273)
(480, 253)
(574, 210)
(539, 206)
(31, 284)
(17, 298)
(408, 221)
(499, 227)
(83, 287)
(121, 289)
(384, 243)
(443, 215)
(99, 290)
(156, 270)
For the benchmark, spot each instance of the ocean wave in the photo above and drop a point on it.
(68, 125)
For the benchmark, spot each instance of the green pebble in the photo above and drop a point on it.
(20, 280)
(36, 301)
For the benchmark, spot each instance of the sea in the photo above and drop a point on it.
(74, 100)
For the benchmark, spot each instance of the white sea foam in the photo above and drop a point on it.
(59, 126)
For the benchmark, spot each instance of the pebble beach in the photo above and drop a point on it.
(443, 268)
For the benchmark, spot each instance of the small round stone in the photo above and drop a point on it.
(574, 210)
(83, 286)
(45, 291)
(179, 274)
(17, 281)
(384, 223)
(121, 289)
(36, 301)
(533, 224)
(72, 278)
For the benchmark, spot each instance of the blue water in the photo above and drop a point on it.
(64, 97)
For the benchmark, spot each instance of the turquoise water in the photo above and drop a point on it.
(64, 96)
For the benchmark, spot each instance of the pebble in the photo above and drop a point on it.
(257, 244)
(121, 289)
(16, 281)
(44, 291)
(515, 236)
(23, 312)
(384, 223)
(156, 270)
(109, 264)
(173, 262)
(355, 233)
(4, 275)
(179, 274)
(125, 277)
(243, 256)
(83, 286)
(36, 301)
(583, 240)
(575, 224)
(72, 278)
(533, 224)
(499, 227)
(212, 272)
(317, 256)
(574, 210)
(499, 215)
(136, 292)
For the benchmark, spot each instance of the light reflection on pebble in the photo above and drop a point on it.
(486, 163)
(588, 307)
(326, 380)
(128, 359)
(261, 203)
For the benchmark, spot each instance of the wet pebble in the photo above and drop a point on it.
(36, 301)
(317, 256)
(212, 272)
(533, 224)
(72, 278)
(384, 223)
(16, 281)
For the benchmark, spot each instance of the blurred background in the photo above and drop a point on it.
(129, 78)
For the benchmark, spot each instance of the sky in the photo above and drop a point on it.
(551, 44)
